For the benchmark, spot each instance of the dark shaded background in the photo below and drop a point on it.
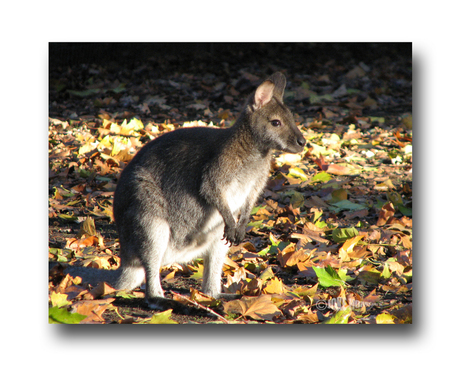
(156, 69)
(295, 55)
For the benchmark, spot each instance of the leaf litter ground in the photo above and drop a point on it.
(330, 240)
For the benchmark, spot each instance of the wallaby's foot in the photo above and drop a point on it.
(159, 303)
(229, 296)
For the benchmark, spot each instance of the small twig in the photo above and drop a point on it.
(196, 304)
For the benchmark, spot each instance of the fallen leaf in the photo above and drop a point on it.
(93, 310)
(385, 213)
(385, 318)
(161, 318)
(274, 286)
(58, 315)
(259, 308)
(338, 170)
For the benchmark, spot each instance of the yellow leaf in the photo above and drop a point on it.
(161, 318)
(59, 299)
(114, 128)
(298, 173)
(274, 286)
(350, 243)
(86, 148)
(385, 318)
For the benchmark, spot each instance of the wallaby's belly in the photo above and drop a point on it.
(196, 244)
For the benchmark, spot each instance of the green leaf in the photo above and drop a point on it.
(256, 209)
(321, 177)
(329, 277)
(276, 244)
(340, 317)
(341, 235)
(256, 224)
(199, 273)
(264, 251)
(386, 273)
(62, 316)
(162, 318)
(405, 211)
(345, 205)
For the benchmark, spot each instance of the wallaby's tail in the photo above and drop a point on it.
(124, 278)
(92, 275)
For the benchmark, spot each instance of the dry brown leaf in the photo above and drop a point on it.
(92, 309)
(259, 308)
(101, 289)
(338, 170)
(284, 255)
(387, 211)
(298, 256)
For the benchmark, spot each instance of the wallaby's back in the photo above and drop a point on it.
(164, 180)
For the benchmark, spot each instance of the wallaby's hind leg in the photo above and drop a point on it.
(213, 262)
(131, 275)
(156, 239)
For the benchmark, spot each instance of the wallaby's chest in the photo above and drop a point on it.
(245, 186)
(237, 193)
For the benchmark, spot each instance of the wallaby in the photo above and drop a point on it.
(189, 192)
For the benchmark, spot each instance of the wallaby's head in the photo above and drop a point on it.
(270, 120)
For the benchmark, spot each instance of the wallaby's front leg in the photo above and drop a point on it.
(231, 233)
(209, 190)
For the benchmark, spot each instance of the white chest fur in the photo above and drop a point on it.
(237, 193)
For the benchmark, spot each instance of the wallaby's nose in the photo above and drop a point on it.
(301, 141)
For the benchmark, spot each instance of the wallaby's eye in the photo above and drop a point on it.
(276, 123)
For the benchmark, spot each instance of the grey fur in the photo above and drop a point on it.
(188, 193)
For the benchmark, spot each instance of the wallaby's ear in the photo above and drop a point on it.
(272, 86)
(280, 84)
(263, 94)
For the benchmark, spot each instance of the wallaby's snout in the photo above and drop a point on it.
(297, 141)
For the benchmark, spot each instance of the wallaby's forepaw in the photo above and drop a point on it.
(234, 236)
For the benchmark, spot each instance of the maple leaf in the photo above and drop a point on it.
(93, 309)
(161, 318)
(259, 308)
